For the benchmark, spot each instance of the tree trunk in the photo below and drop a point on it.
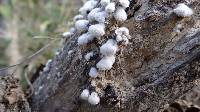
(160, 65)
(12, 98)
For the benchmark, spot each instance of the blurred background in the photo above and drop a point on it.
(22, 20)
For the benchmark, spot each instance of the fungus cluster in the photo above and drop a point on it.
(91, 23)
(88, 6)
(122, 35)
(92, 98)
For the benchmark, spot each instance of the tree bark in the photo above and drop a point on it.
(12, 98)
(159, 66)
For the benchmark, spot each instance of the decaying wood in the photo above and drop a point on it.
(12, 98)
(160, 65)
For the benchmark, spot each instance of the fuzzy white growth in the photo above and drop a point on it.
(122, 35)
(67, 34)
(82, 25)
(106, 63)
(122, 31)
(97, 30)
(120, 14)
(78, 17)
(110, 8)
(94, 98)
(119, 38)
(100, 16)
(85, 94)
(124, 3)
(97, 15)
(93, 72)
(183, 10)
(104, 2)
(88, 6)
(91, 15)
(89, 55)
(85, 38)
(109, 48)
(72, 30)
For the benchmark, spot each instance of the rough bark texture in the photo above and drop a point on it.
(160, 65)
(12, 98)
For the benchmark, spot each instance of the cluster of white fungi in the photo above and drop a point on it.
(91, 23)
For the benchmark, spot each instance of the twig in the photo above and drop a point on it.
(28, 59)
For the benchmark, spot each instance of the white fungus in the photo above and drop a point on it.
(94, 99)
(183, 10)
(78, 17)
(72, 30)
(85, 94)
(120, 14)
(124, 3)
(97, 30)
(67, 34)
(122, 31)
(85, 38)
(106, 63)
(110, 8)
(91, 16)
(122, 34)
(97, 15)
(119, 38)
(93, 72)
(104, 2)
(109, 48)
(101, 16)
(82, 25)
(89, 55)
(88, 6)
